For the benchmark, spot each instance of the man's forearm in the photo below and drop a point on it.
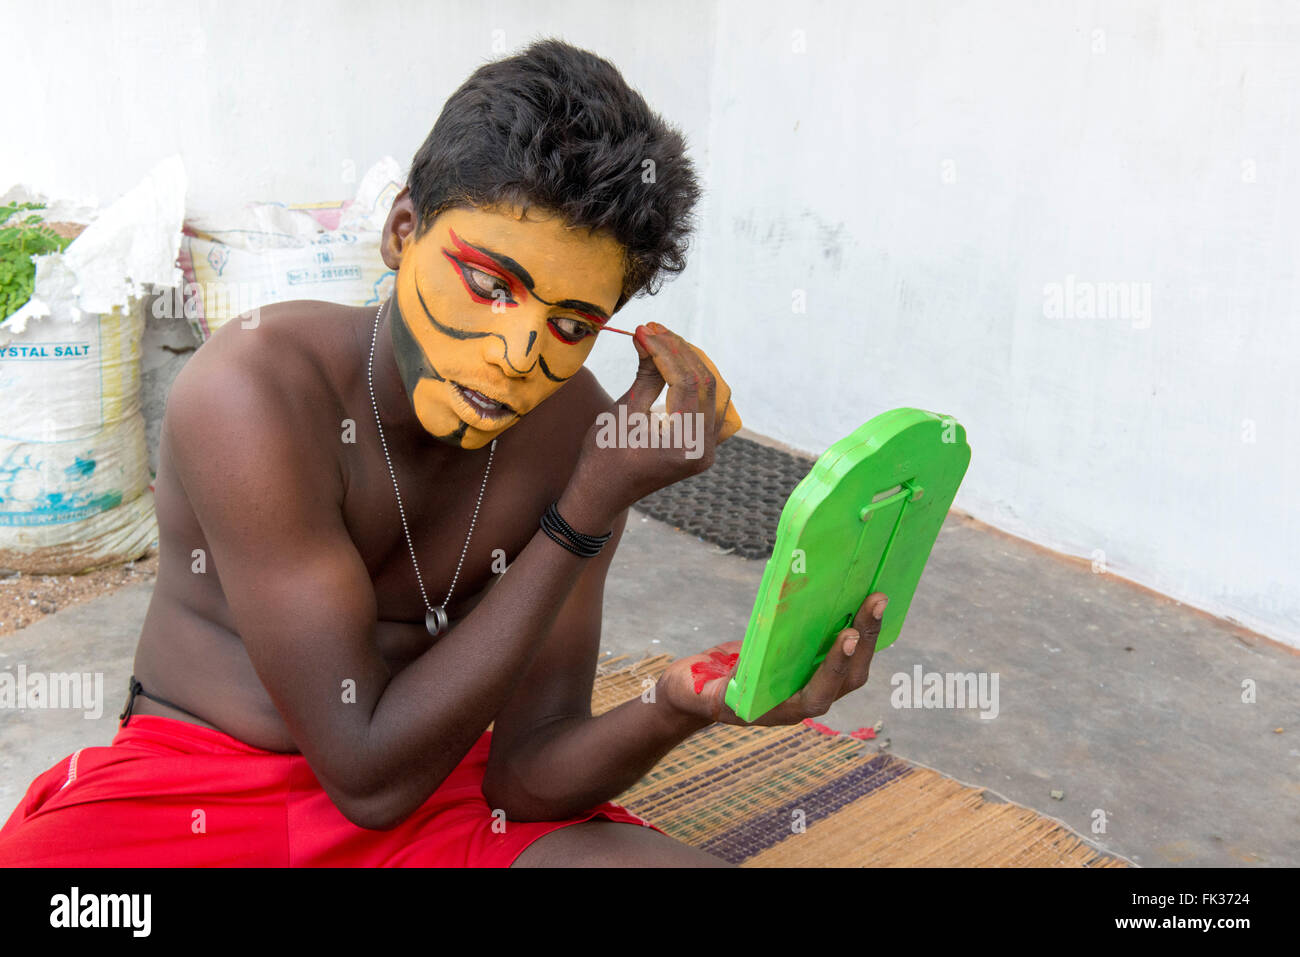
(567, 767)
(430, 714)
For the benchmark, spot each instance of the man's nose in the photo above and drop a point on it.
(515, 352)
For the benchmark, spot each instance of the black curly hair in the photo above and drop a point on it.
(558, 128)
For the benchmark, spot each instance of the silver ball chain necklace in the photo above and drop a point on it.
(435, 620)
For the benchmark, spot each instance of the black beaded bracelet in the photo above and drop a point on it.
(564, 535)
(557, 518)
(563, 542)
(559, 531)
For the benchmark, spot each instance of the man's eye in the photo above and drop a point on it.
(485, 284)
(573, 330)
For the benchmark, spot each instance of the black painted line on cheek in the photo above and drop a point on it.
(411, 360)
(446, 330)
(546, 371)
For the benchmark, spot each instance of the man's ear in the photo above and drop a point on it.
(399, 229)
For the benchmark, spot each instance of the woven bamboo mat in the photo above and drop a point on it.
(797, 797)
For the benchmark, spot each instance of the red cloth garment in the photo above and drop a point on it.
(168, 793)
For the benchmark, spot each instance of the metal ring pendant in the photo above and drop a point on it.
(436, 621)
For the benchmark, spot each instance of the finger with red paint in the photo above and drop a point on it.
(691, 385)
(649, 380)
(726, 420)
(627, 454)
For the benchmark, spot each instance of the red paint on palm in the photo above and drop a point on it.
(719, 665)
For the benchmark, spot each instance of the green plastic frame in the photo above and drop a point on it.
(863, 520)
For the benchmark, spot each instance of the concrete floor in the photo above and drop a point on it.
(1127, 702)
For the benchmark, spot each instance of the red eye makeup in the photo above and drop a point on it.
(470, 261)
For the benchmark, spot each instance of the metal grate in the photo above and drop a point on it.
(737, 503)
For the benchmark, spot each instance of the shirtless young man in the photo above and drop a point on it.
(295, 708)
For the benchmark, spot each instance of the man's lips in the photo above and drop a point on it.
(481, 403)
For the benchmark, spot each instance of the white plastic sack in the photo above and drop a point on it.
(74, 474)
(267, 252)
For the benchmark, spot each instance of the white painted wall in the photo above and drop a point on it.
(922, 171)
(1162, 150)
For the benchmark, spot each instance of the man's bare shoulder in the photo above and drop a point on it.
(282, 372)
(298, 345)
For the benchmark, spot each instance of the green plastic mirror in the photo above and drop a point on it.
(863, 520)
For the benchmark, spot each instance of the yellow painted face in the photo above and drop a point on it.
(491, 305)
